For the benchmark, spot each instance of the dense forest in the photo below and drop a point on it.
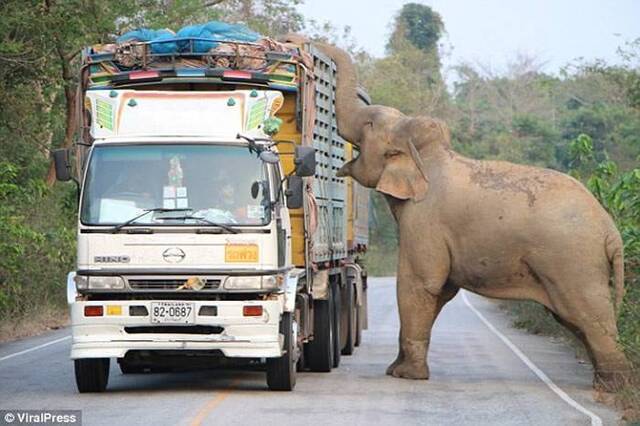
(584, 120)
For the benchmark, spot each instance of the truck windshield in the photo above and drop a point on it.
(219, 184)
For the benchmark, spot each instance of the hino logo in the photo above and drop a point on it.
(173, 255)
(112, 259)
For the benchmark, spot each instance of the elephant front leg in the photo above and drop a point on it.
(399, 358)
(418, 310)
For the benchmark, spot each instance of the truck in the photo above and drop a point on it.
(212, 227)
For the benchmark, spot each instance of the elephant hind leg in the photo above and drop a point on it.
(588, 312)
(612, 370)
(577, 333)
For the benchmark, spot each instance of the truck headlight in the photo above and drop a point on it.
(98, 283)
(266, 282)
(243, 283)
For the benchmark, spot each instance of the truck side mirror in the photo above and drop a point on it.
(62, 162)
(294, 192)
(305, 161)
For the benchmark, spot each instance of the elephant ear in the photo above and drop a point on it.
(404, 176)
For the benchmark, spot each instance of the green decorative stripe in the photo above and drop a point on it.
(104, 114)
(256, 115)
(281, 77)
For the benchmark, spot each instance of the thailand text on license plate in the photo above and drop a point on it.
(172, 312)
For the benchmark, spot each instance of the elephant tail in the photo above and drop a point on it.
(615, 255)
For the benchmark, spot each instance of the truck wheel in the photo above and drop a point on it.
(319, 355)
(92, 374)
(281, 372)
(351, 321)
(336, 325)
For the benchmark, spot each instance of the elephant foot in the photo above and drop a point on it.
(611, 381)
(411, 362)
(409, 370)
(394, 364)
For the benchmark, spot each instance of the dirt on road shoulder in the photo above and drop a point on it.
(33, 324)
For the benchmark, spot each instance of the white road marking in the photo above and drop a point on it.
(595, 420)
(35, 348)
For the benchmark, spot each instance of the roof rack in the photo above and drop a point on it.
(265, 62)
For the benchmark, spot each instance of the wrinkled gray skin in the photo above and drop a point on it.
(498, 229)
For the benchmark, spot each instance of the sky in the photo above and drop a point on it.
(494, 32)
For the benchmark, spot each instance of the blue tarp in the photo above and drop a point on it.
(146, 35)
(165, 41)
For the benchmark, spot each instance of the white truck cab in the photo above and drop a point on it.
(202, 238)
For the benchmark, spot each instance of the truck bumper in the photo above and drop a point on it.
(111, 336)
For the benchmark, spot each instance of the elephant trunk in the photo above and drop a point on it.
(345, 170)
(348, 106)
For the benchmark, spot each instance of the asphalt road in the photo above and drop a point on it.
(477, 378)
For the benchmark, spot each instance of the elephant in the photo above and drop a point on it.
(494, 228)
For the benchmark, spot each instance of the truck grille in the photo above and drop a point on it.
(168, 284)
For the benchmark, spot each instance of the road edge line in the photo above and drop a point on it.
(595, 419)
(35, 348)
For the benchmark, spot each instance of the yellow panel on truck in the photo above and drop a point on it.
(336, 207)
(289, 132)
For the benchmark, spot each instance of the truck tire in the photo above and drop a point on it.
(92, 374)
(319, 354)
(281, 372)
(336, 324)
(351, 321)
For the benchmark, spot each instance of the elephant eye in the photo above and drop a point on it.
(392, 153)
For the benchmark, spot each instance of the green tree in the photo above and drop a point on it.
(268, 17)
(419, 25)
(409, 78)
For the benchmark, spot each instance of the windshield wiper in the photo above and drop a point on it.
(205, 220)
(117, 228)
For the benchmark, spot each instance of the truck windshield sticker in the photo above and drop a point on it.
(104, 114)
(169, 192)
(174, 197)
(118, 211)
(182, 203)
(175, 171)
(255, 211)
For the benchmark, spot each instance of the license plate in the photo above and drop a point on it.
(241, 253)
(172, 312)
